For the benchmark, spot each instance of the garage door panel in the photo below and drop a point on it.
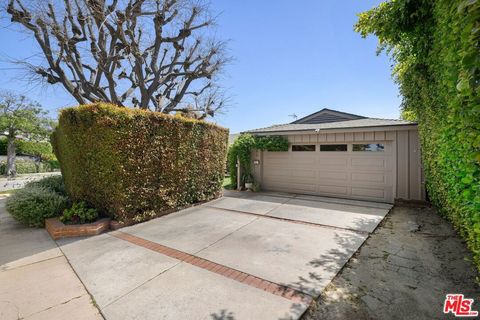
(332, 175)
(300, 161)
(372, 179)
(277, 172)
(371, 163)
(367, 192)
(378, 177)
(291, 175)
(290, 186)
(293, 179)
(305, 174)
(328, 189)
(332, 161)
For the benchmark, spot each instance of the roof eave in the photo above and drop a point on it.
(391, 127)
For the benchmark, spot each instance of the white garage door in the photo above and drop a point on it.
(348, 170)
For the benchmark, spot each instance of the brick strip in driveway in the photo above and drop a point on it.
(242, 277)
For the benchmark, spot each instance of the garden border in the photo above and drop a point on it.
(58, 229)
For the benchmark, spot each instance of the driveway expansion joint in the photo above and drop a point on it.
(266, 216)
(225, 271)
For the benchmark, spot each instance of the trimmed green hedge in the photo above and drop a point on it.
(132, 164)
(436, 48)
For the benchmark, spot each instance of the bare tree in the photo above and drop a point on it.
(151, 54)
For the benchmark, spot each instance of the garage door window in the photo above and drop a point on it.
(373, 147)
(303, 147)
(333, 147)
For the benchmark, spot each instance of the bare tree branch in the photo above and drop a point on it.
(152, 53)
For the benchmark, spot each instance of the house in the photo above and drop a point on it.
(344, 155)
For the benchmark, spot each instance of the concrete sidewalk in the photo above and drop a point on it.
(36, 280)
(20, 180)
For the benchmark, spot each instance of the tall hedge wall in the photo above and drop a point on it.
(436, 48)
(133, 164)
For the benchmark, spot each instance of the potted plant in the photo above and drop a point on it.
(248, 180)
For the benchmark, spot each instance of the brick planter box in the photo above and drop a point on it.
(58, 229)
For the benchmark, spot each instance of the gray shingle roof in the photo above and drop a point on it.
(328, 115)
(349, 124)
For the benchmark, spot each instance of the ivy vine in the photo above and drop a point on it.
(435, 46)
(242, 148)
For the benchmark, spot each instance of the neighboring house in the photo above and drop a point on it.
(232, 137)
(344, 155)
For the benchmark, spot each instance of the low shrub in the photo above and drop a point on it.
(53, 183)
(133, 164)
(22, 166)
(79, 213)
(32, 205)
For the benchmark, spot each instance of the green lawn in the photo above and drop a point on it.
(9, 191)
(227, 185)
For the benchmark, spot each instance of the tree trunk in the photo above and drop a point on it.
(38, 162)
(11, 154)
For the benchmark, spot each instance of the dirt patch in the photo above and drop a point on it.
(403, 271)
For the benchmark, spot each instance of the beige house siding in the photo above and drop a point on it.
(407, 178)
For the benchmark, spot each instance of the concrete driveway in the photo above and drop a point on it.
(243, 256)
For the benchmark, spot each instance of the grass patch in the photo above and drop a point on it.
(227, 184)
(9, 191)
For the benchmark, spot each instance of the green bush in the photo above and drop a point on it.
(25, 166)
(435, 47)
(34, 148)
(32, 205)
(79, 213)
(22, 166)
(53, 183)
(133, 164)
(52, 165)
(242, 147)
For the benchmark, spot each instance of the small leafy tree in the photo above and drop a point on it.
(21, 118)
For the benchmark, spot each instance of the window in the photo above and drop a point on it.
(333, 147)
(375, 147)
(303, 147)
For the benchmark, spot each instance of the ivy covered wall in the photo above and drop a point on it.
(436, 49)
(241, 150)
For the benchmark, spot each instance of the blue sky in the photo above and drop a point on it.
(289, 57)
